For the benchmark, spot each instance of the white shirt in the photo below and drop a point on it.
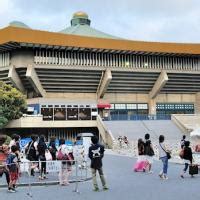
(64, 149)
(162, 153)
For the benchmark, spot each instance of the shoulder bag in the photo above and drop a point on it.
(168, 154)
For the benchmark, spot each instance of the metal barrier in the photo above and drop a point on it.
(77, 172)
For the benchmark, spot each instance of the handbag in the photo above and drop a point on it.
(181, 154)
(193, 169)
(167, 153)
(48, 155)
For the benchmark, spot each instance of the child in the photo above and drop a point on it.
(12, 164)
(187, 156)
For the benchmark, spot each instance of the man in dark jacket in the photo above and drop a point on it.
(96, 153)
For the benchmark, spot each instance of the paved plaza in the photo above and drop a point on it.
(123, 184)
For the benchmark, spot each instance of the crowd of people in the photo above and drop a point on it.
(146, 153)
(37, 152)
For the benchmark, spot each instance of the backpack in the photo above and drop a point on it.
(3, 154)
(30, 150)
(10, 162)
(148, 150)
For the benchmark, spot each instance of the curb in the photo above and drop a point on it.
(45, 183)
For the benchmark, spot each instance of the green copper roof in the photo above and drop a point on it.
(18, 24)
(80, 25)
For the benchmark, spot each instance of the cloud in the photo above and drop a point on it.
(151, 20)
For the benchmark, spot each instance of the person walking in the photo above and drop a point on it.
(42, 147)
(163, 151)
(148, 151)
(187, 156)
(142, 164)
(96, 154)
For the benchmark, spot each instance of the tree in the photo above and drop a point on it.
(12, 104)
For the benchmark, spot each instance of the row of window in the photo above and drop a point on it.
(115, 60)
(68, 113)
(134, 106)
(174, 106)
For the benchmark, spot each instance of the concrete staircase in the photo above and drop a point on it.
(137, 129)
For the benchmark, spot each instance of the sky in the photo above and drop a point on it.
(144, 20)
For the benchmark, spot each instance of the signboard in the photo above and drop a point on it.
(24, 142)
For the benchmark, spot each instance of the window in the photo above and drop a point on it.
(112, 106)
(72, 113)
(120, 106)
(131, 106)
(84, 114)
(142, 106)
(59, 114)
(47, 114)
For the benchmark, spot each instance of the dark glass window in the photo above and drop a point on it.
(59, 114)
(72, 113)
(84, 114)
(47, 114)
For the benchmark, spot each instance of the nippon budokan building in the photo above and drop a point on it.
(76, 77)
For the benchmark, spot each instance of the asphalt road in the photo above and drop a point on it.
(123, 183)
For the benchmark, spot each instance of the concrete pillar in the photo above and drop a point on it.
(15, 79)
(159, 84)
(31, 75)
(197, 103)
(152, 107)
(104, 82)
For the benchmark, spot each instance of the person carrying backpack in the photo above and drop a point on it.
(96, 154)
(148, 151)
(13, 167)
(31, 153)
(187, 156)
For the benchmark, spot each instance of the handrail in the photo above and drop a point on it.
(106, 134)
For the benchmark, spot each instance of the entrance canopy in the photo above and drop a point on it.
(103, 105)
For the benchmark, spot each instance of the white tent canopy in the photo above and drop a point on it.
(195, 132)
